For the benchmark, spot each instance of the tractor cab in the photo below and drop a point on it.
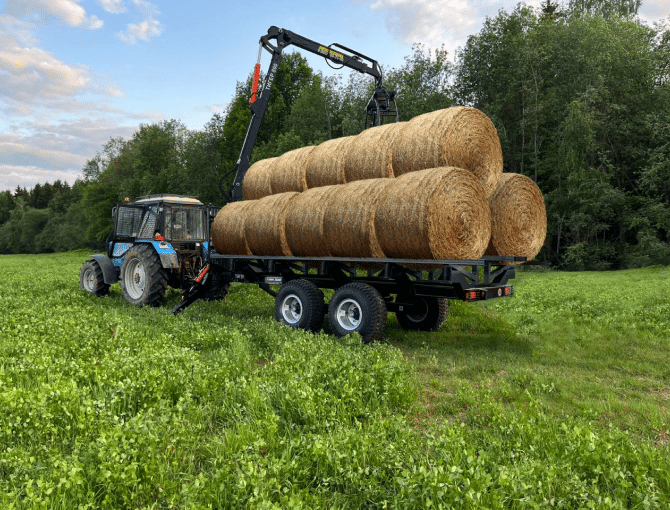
(157, 241)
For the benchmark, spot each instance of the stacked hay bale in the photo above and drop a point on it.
(349, 219)
(228, 233)
(265, 224)
(439, 213)
(460, 136)
(519, 217)
(369, 155)
(288, 172)
(258, 179)
(402, 190)
(304, 225)
(325, 165)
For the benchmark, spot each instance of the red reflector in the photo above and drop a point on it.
(507, 290)
(159, 237)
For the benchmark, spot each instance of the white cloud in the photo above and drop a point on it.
(145, 30)
(431, 22)
(46, 11)
(32, 75)
(140, 31)
(112, 6)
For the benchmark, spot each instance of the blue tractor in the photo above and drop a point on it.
(157, 241)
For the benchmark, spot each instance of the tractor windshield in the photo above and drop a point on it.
(184, 224)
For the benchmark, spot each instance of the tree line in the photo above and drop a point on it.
(579, 93)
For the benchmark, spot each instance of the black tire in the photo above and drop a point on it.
(143, 279)
(358, 308)
(429, 314)
(299, 304)
(92, 280)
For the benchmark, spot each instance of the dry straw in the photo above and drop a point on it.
(460, 136)
(256, 182)
(304, 222)
(439, 213)
(264, 225)
(228, 229)
(288, 172)
(519, 218)
(325, 165)
(348, 223)
(369, 154)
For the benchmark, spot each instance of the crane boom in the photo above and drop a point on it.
(275, 41)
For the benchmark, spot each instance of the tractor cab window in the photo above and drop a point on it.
(184, 224)
(149, 222)
(128, 221)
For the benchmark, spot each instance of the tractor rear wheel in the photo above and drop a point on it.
(91, 279)
(143, 279)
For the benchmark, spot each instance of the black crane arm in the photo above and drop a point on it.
(274, 42)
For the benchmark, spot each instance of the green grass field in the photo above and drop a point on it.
(555, 398)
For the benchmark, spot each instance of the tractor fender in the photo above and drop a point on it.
(109, 272)
(167, 254)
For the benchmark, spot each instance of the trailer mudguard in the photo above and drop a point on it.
(109, 272)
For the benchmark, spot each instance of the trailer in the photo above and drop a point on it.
(364, 289)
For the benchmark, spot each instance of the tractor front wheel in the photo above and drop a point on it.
(143, 279)
(91, 279)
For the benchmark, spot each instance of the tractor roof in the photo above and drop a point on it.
(174, 199)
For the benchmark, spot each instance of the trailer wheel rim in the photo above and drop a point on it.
(291, 309)
(135, 278)
(349, 314)
(89, 280)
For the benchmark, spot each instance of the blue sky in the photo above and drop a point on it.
(75, 73)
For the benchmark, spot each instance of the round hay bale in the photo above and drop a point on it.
(369, 154)
(288, 172)
(518, 218)
(256, 182)
(304, 222)
(349, 220)
(439, 213)
(228, 229)
(461, 136)
(325, 164)
(264, 225)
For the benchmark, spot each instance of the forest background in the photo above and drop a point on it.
(579, 93)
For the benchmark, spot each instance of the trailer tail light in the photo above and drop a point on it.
(475, 295)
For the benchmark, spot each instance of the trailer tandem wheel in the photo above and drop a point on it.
(428, 314)
(299, 304)
(358, 308)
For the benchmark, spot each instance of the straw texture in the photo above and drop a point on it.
(370, 153)
(349, 219)
(264, 225)
(288, 172)
(460, 136)
(325, 164)
(518, 218)
(304, 222)
(439, 213)
(228, 229)
(256, 182)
